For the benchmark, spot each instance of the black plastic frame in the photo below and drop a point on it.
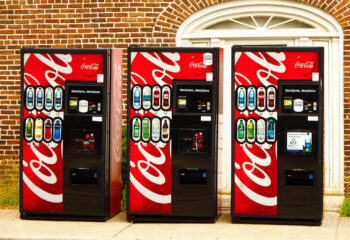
(36, 89)
(276, 99)
(53, 96)
(45, 119)
(140, 140)
(34, 97)
(132, 94)
(245, 129)
(24, 129)
(160, 98)
(255, 98)
(242, 218)
(171, 93)
(236, 92)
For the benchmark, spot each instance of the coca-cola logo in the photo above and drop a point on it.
(197, 65)
(309, 65)
(90, 67)
(304, 65)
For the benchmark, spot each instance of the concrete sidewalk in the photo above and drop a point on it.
(12, 227)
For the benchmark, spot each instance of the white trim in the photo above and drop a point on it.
(325, 31)
(218, 12)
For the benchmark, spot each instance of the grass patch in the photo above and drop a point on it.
(9, 196)
(345, 208)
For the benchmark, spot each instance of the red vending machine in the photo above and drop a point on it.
(172, 134)
(277, 129)
(70, 148)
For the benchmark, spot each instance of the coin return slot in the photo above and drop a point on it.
(299, 178)
(83, 176)
(193, 176)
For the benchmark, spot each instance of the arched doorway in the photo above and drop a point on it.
(275, 23)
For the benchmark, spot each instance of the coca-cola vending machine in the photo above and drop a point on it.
(277, 127)
(172, 132)
(70, 111)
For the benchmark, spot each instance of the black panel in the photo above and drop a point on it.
(83, 151)
(299, 151)
(193, 159)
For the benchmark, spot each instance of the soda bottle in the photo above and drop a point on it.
(251, 98)
(57, 130)
(271, 98)
(146, 129)
(29, 128)
(48, 130)
(241, 97)
(30, 98)
(147, 97)
(86, 142)
(261, 98)
(155, 129)
(137, 97)
(39, 98)
(241, 130)
(48, 98)
(308, 142)
(156, 96)
(195, 142)
(92, 141)
(165, 130)
(38, 132)
(136, 132)
(166, 98)
(200, 140)
(251, 130)
(271, 130)
(260, 131)
(58, 98)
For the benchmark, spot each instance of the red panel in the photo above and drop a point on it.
(150, 164)
(42, 162)
(255, 167)
(116, 131)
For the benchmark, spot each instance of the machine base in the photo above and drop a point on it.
(167, 219)
(279, 221)
(30, 216)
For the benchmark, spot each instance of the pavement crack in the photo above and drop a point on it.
(336, 234)
(118, 233)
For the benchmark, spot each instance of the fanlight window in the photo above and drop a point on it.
(260, 23)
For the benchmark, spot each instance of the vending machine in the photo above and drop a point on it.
(70, 147)
(172, 134)
(277, 135)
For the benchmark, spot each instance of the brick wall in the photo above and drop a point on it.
(106, 24)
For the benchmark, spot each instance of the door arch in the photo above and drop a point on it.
(278, 23)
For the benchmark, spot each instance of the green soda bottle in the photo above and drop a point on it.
(29, 132)
(136, 133)
(241, 130)
(146, 129)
